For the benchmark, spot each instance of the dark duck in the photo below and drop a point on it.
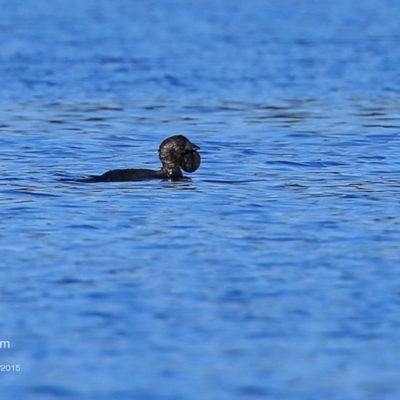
(175, 153)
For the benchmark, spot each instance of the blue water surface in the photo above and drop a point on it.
(273, 273)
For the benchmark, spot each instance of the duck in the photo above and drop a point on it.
(176, 153)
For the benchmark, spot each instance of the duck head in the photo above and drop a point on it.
(178, 152)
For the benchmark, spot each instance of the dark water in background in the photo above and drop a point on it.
(274, 273)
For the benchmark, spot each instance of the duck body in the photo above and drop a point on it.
(125, 175)
(175, 153)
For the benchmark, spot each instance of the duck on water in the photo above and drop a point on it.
(175, 153)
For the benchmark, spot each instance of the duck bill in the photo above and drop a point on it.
(194, 147)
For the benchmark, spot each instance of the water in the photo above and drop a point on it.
(273, 273)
